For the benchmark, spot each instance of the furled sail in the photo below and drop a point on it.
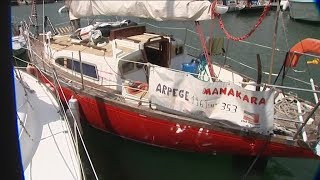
(182, 10)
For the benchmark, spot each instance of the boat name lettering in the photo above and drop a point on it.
(172, 91)
(234, 93)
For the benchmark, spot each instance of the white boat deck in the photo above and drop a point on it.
(48, 151)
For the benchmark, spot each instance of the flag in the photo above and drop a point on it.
(251, 117)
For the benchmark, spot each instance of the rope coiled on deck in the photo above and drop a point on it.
(288, 106)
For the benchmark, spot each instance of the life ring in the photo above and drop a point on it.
(137, 87)
(308, 45)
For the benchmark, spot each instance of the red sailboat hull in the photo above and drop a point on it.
(165, 133)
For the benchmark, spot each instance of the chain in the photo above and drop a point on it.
(229, 36)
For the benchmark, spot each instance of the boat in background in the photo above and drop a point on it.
(27, 2)
(255, 5)
(18, 45)
(284, 5)
(149, 87)
(48, 147)
(18, 41)
(252, 6)
(305, 10)
(233, 5)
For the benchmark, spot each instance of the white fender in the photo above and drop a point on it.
(74, 109)
(285, 4)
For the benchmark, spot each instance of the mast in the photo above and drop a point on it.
(34, 17)
(74, 21)
(274, 41)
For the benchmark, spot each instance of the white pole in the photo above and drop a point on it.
(313, 88)
(43, 31)
(304, 134)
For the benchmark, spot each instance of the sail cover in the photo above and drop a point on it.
(181, 10)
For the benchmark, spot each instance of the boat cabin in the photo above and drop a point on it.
(117, 59)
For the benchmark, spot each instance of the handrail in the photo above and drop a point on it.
(245, 83)
(191, 31)
(306, 120)
(239, 62)
(73, 117)
(76, 125)
(51, 25)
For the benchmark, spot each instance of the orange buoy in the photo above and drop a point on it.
(31, 69)
(308, 45)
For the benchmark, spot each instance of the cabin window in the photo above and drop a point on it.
(60, 61)
(87, 69)
(138, 65)
(70, 64)
(63, 62)
(127, 66)
(179, 50)
(75, 65)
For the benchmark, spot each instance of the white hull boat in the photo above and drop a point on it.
(47, 147)
(304, 10)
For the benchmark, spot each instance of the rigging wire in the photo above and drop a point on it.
(263, 149)
(64, 97)
(73, 117)
(284, 31)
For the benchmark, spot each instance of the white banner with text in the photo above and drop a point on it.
(182, 92)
